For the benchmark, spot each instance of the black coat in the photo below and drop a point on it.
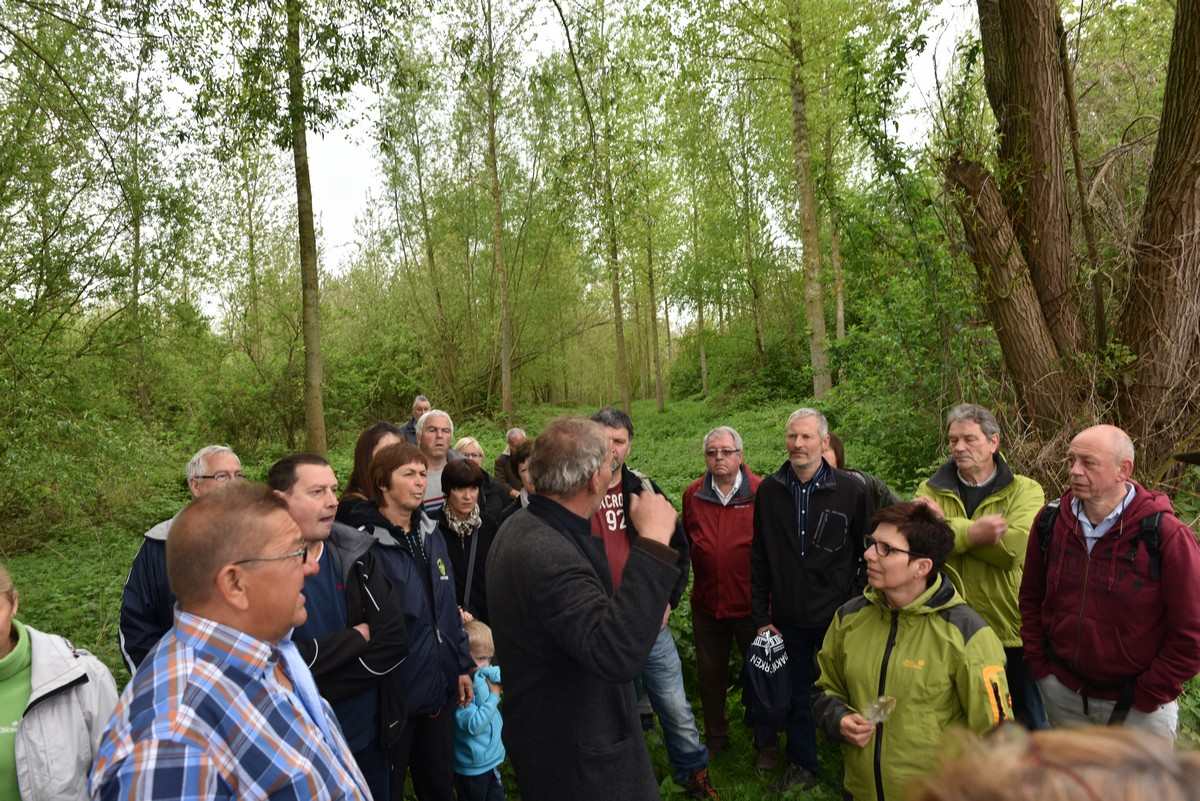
(570, 650)
(803, 585)
(460, 552)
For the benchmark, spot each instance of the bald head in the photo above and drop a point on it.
(214, 530)
(1101, 464)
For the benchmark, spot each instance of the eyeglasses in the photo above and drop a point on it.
(724, 453)
(885, 550)
(302, 553)
(225, 475)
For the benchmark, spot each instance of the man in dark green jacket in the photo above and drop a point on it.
(906, 661)
(990, 509)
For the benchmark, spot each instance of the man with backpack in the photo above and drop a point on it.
(1110, 605)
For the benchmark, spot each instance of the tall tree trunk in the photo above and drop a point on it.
(814, 305)
(314, 410)
(1025, 338)
(667, 324)
(659, 399)
(1161, 318)
(1023, 79)
(498, 266)
(639, 345)
(839, 281)
(250, 186)
(703, 352)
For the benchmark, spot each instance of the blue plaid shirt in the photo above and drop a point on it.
(801, 490)
(215, 713)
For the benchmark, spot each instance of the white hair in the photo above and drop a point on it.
(822, 423)
(513, 432)
(198, 465)
(465, 441)
(718, 431)
(421, 421)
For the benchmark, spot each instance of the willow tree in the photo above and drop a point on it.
(1018, 226)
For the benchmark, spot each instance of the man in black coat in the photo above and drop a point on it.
(806, 560)
(569, 644)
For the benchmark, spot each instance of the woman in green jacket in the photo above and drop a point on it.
(906, 661)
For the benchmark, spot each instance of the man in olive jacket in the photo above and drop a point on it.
(990, 509)
(570, 645)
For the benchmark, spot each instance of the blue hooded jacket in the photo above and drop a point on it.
(478, 747)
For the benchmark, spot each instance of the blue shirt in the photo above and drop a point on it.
(478, 747)
(1093, 533)
(215, 713)
(801, 490)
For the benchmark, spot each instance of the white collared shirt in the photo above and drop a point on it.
(1093, 533)
(724, 497)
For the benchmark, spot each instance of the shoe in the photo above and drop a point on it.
(717, 744)
(700, 786)
(796, 776)
(767, 759)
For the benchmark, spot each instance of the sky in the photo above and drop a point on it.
(344, 171)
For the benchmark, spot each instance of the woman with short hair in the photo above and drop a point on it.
(468, 534)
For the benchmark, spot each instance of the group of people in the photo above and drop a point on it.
(308, 639)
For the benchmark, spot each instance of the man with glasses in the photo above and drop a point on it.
(806, 560)
(225, 706)
(147, 602)
(718, 516)
(907, 660)
(354, 637)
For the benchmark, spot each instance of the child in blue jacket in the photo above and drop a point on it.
(478, 750)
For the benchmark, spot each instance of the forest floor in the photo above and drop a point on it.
(71, 584)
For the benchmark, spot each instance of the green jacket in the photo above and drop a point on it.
(936, 657)
(989, 576)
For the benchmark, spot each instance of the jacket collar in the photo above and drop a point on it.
(825, 478)
(577, 530)
(160, 531)
(946, 478)
(223, 645)
(939, 595)
(744, 494)
(55, 664)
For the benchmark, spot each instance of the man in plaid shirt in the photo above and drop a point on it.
(223, 706)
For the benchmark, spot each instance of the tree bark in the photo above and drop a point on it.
(839, 281)
(814, 305)
(703, 352)
(314, 411)
(1024, 85)
(659, 398)
(1025, 339)
(1161, 318)
(498, 266)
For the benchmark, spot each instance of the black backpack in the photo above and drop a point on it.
(1147, 535)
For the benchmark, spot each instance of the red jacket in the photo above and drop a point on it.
(720, 539)
(1100, 620)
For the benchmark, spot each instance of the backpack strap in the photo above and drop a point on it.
(1148, 534)
(1045, 527)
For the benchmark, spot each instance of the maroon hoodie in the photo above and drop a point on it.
(1098, 621)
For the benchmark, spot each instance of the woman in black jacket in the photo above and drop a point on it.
(468, 534)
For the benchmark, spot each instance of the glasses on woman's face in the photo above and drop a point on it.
(885, 550)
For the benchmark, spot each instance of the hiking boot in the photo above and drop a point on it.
(796, 776)
(767, 759)
(700, 786)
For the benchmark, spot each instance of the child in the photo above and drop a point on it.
(478, 751)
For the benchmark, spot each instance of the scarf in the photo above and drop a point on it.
(463, 527)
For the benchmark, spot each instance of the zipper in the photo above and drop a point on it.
(75, 682)
(887, 655)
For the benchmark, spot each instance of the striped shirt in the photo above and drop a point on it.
(215, 713)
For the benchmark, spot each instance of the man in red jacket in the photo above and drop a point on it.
(718, 516)
(1110, 605)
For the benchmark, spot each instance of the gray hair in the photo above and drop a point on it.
(719, 430)
(822, 423)
(433, 413)
(566, 455)
(974, 413)
(419, 399)
(512, 432)
(198, 465)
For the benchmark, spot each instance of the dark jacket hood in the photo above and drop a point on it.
(946, 478)
(745, 493)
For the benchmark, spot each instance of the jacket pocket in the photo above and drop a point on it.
(603, 763)
(832, 528)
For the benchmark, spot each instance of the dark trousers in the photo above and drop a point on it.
(374, 766)
(428, 745)
(1026, 700)
(802, 645)
(484, 787)
(713, 638)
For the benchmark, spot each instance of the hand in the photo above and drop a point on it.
(493, 686)
(364, 630)
(666, 618)
(856, 729)
(987, 530)
(466, 691)
(653, 516)
(931, 504)
(771, 629)
(466, 616)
